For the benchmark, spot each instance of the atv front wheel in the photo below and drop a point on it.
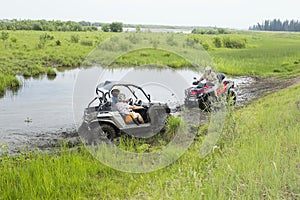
(204, 104)
(105, 130)
(231, 99)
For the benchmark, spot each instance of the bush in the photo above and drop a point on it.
(222, 31)
(58, 42)
(171, 41)
(8, 82)
(205, 46)
(234, 43)
(75, 38)
(51, 72)
(210, 31)
(37, 70)
(26, 73)
(105, 28)
(13, 39)
(198, 31)
(217, 42)
(116, 27)
(45, 37)
(86, 42)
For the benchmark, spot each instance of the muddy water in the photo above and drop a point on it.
(40, 113)
(41, 108)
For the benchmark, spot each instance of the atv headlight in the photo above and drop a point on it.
(168, 110)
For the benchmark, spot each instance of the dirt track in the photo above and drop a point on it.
(260, 87)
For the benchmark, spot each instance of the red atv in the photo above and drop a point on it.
(203, 94)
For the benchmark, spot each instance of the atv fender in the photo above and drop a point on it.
(95, 123)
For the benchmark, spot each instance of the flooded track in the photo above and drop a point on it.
(48, 122)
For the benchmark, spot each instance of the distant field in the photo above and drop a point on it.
(31, 53)
(266, 54)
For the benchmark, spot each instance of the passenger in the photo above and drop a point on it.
(127, 110)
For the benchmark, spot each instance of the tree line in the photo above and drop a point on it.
(113, 27)
(56, 25)
(277, 25)
(44, 25)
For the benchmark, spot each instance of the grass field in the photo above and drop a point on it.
(266, 54)
(30, 53)
(257, 157)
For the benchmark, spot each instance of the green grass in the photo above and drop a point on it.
(266, 54)
(30, 53)
(51, 72)
(155, 57)
(257, 157)
(8, 81)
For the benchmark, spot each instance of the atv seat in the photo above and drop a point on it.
(129, 119)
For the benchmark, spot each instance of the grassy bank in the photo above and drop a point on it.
(31, 53)
(257, 157)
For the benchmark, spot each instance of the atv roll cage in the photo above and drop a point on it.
(103, 91)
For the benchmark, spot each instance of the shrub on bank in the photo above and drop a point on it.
(8, 82)
(234, 42)
(51, 72)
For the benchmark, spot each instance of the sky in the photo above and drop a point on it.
(238, 14)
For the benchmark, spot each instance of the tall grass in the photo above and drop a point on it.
(8, 82)
(257, 157)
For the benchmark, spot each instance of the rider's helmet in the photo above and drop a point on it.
(115, 92)
(220, 77)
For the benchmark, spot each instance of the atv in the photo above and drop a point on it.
(103, 119)
(202, 95)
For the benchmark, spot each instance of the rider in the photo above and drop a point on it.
(210, 76)
(115, 93)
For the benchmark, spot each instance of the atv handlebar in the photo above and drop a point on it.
(196, 82)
